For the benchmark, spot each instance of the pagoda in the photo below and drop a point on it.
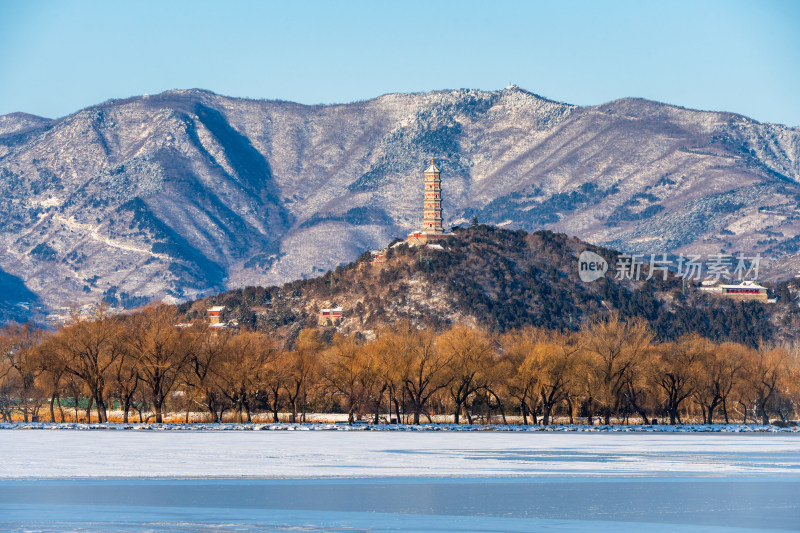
(432, 209)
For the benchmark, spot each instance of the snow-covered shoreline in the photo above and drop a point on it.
(512, 428)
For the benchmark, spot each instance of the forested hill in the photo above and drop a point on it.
(500, 280)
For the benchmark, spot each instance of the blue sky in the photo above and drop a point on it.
(57, 57)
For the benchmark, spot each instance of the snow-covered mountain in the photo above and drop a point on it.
(186, 193)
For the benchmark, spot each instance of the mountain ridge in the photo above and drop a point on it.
(224, 192)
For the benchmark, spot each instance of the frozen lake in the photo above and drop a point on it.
(396, 481)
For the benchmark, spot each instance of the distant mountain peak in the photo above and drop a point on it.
(235, 191)
(14, 123)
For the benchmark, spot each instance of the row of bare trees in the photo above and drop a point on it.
(612, 370)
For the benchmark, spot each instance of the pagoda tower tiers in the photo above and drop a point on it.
(431, 209)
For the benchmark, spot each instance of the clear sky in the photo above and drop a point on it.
(743, 56)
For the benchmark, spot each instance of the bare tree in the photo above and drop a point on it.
(162, 351)
(301, 365)
(716, 376)
(616, 348)
(469, 352)
(89, 348)
(54, 371)
(673, 368)
(522, 380)
(240, 371)
(350, 373)
(388, 366)
(200, 379)
(20, 369)
(768, 368)
(124, 373)
(424, 368)
(275, 381)
(556, 360)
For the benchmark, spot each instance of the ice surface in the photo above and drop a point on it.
(398, 504)
(315, 454)
(296, 480)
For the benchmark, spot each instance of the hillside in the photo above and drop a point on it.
(499, 279)
(187, 193)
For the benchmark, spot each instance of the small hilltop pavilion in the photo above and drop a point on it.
(432, 210)
(746, 290)
(330, 317)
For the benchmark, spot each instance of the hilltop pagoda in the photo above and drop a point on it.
(432, 209)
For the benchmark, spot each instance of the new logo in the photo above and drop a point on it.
(591, 266)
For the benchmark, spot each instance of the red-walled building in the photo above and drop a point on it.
(215, 314)
(330, 317)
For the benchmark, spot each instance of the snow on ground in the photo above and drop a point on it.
(341, 425)
(358, 454)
